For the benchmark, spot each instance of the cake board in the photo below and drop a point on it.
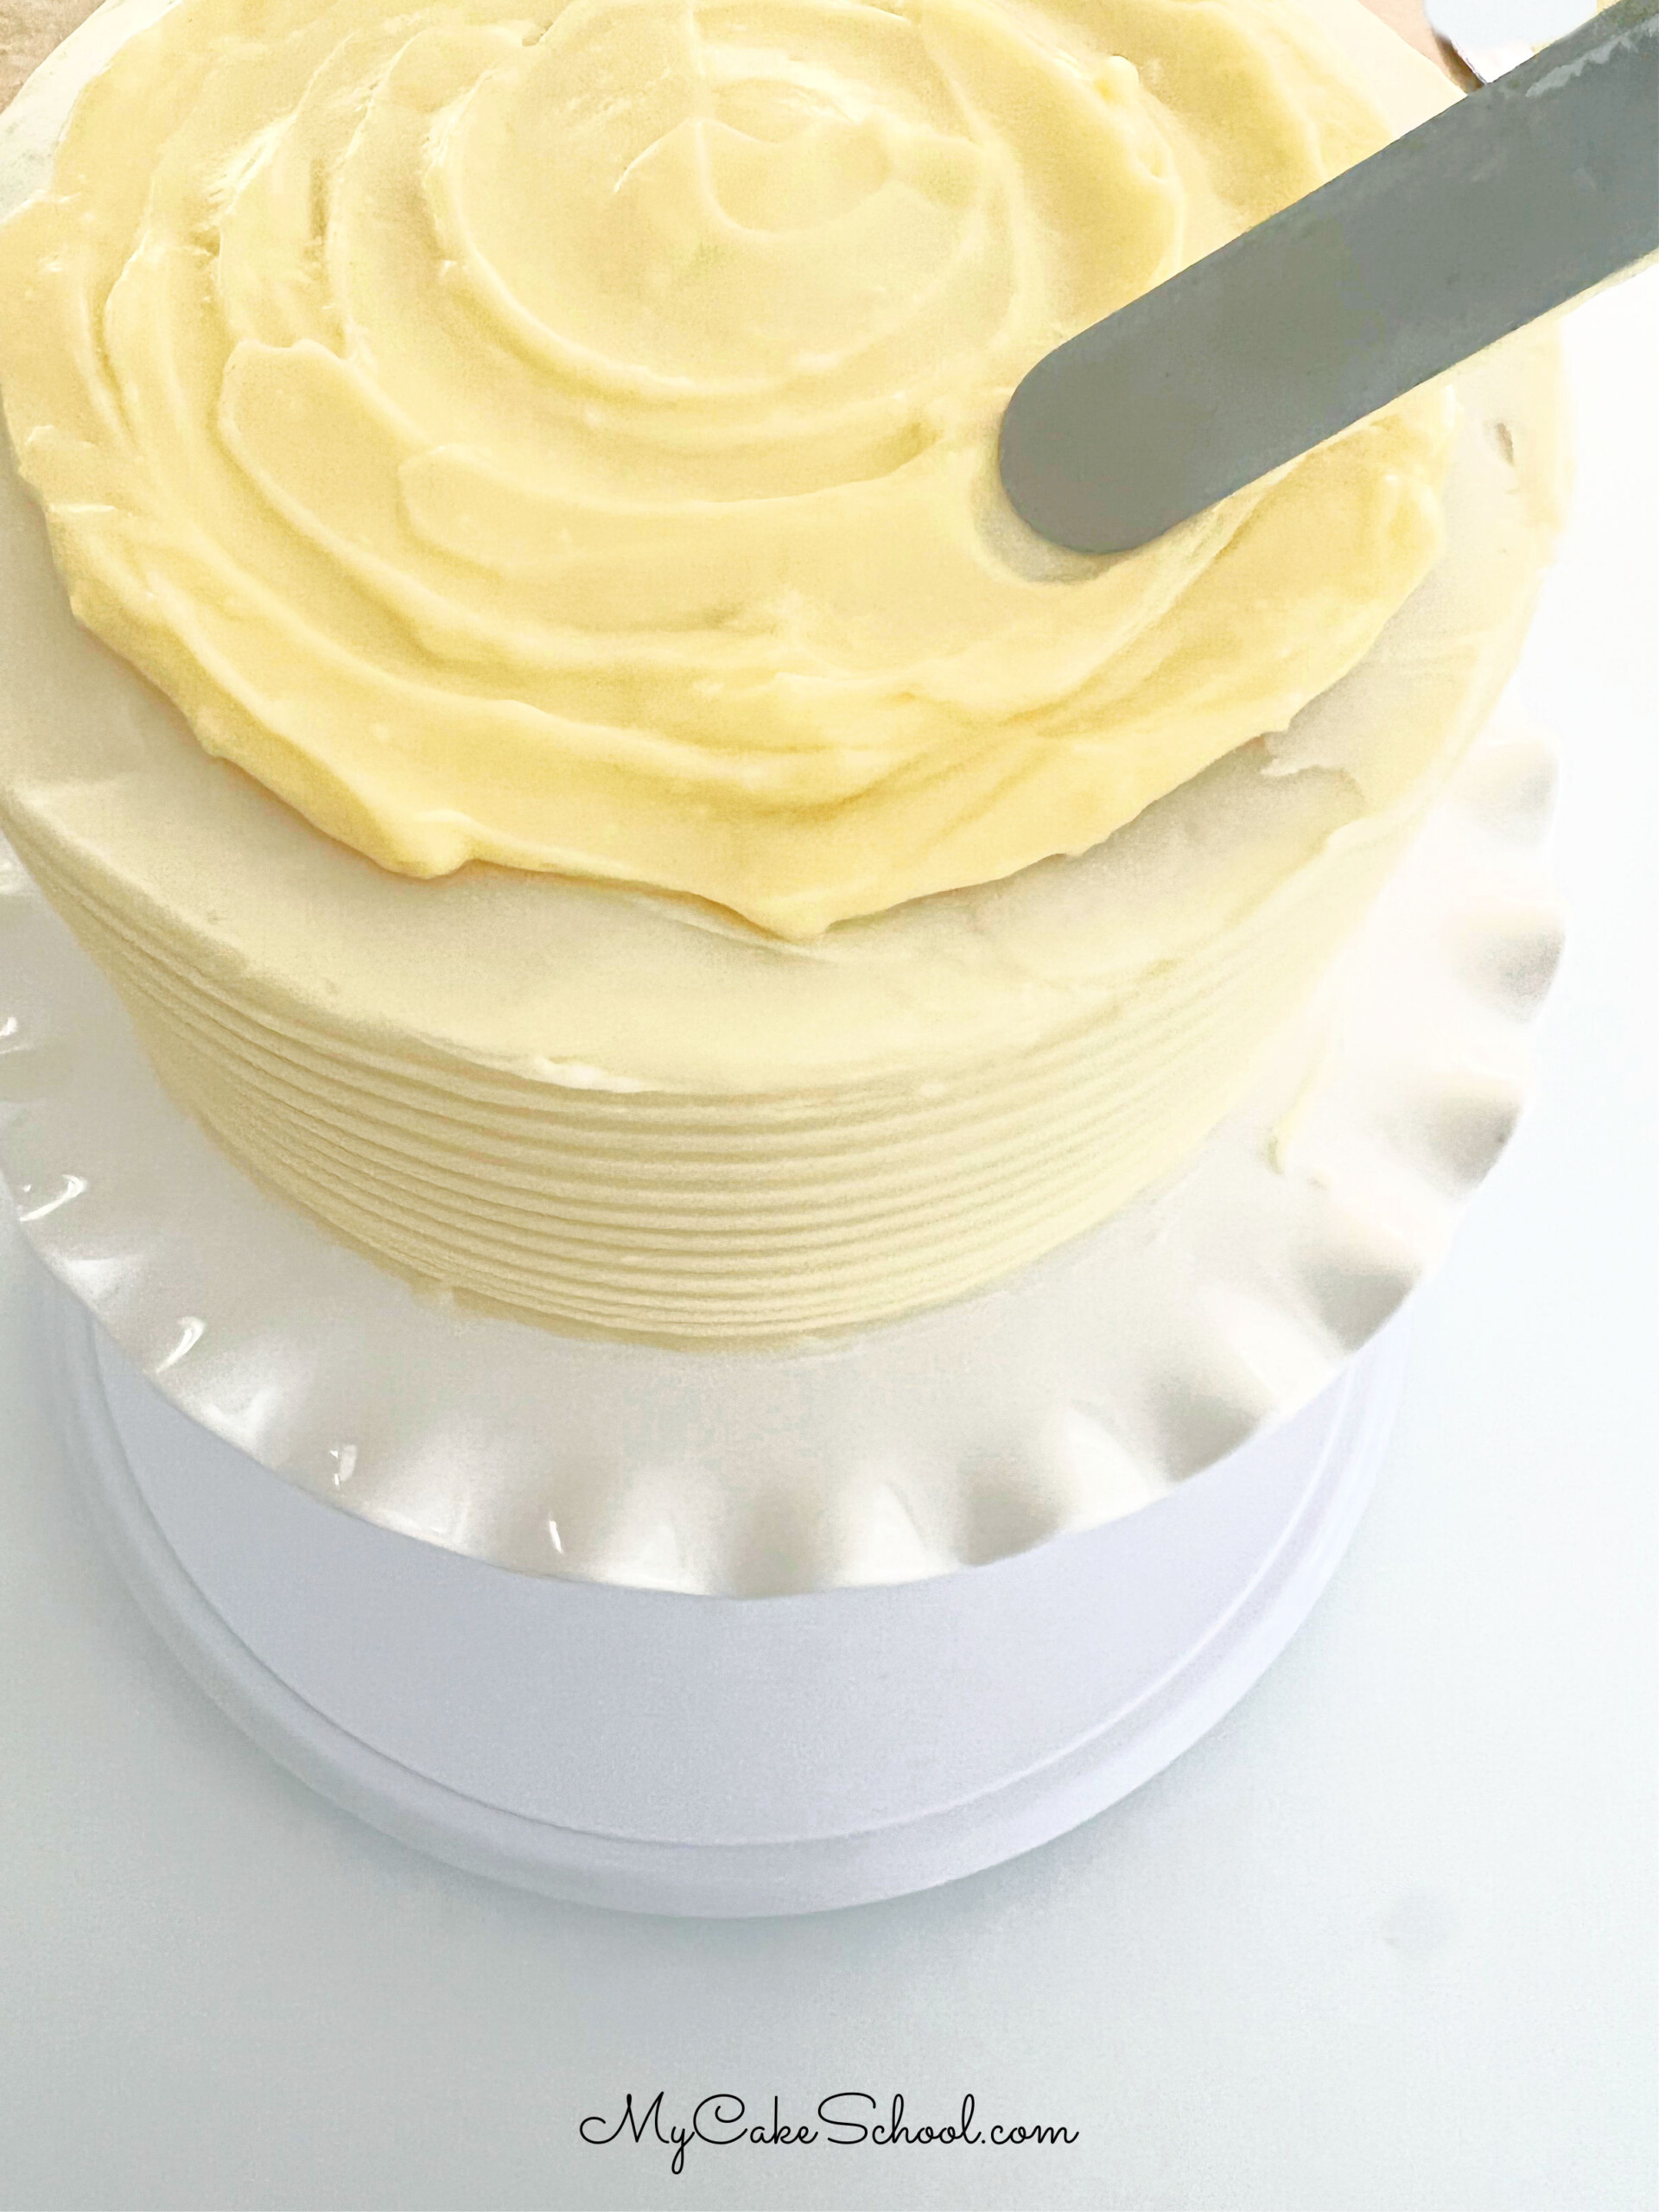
(665, 1752)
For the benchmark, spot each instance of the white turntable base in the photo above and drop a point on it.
(700, 1754)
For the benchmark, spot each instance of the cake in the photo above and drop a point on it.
(613, 817)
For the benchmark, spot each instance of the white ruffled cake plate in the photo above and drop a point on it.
(479, 1582)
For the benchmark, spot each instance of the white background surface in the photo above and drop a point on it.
(1386, 1939)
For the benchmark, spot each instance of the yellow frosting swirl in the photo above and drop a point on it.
(565, 438)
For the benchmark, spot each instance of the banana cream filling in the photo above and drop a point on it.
(566, 439)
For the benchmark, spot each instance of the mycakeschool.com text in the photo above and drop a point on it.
(850, 2118)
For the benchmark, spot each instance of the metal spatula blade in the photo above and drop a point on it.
(1526, 194)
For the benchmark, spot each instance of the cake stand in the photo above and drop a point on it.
(673, 1753)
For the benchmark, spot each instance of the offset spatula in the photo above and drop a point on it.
(1530, 191)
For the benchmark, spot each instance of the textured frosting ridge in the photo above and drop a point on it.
(565, 439)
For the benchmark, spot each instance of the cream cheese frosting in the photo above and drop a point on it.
(612, 1108)
(565, 438)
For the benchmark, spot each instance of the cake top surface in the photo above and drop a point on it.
(566, 440)
(589, 981)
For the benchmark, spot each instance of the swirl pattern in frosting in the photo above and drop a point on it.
(564, 439)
